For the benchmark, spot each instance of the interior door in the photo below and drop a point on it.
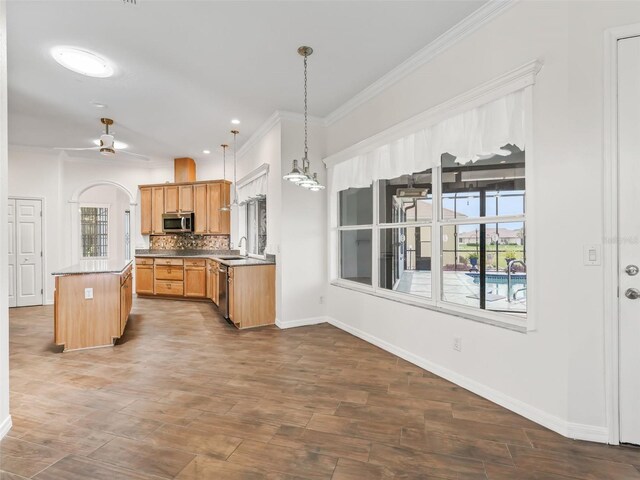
(12, 253)
(628, 236)
(28, 252)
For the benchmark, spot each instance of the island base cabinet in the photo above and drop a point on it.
(91, 310)
(252, 300)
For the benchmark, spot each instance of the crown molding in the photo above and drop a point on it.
(499, 86)
(486, 13)
(275, 118)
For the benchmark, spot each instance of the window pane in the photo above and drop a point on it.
(355, 255)
(262, 225)
(251, 227)
(406, 199)
(256, 213)
(460, 256)
(405, 260)
(356, 206)
(491, 186)
(463, 263)
(94, 228)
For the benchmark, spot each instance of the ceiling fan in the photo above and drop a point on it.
(107, 144)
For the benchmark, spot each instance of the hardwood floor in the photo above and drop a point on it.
(184, 395)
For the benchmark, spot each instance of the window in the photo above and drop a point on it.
(127, 235)
(256, 214)
(94, 231)
(452, 237)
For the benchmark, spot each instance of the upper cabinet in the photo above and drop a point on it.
(186, 198)
(145, 211)
(204, 199)
(157, 209)
(171, 199)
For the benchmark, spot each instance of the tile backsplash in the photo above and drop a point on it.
(189, 241)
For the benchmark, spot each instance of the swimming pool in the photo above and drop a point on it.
(499, 277)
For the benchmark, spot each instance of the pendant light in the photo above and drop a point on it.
(225, 203)
(235, 184)
(303, 177)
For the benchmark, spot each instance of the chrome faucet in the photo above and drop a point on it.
(509, 266)
(240, 241)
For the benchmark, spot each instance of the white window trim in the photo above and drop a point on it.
(245, 219)
(523, 77)
(513, 321)
(94, 205)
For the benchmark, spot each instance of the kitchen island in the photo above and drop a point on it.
(92, 302)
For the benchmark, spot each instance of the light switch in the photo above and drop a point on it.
(591, 254)
(88, 293)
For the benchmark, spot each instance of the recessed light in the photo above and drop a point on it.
(503, 161)
(235, 121)
(82, 61)
(117, 145)
(99, 105)
(206, 152)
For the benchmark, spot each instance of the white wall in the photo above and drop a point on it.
(56, 177)
(118, 203)
(5, 419)
(295, 217)
(556, 373)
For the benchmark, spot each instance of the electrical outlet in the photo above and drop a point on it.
(457, 344)
(88, 293)
(321, 300)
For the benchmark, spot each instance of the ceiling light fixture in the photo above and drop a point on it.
(206, 152)
(99, 105)
(82, 61)
(225, 206)
(303, 177)
(116, 144)
(235, 121)
(235, 184)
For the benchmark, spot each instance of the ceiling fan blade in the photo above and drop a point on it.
(72, 148)
(143, 157)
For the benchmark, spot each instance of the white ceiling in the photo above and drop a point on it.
(186, 68)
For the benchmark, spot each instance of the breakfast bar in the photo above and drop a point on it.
(92, 302)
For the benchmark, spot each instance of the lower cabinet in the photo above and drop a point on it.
(195, 278)
(252, 299)
(144, 277)
(126, 299)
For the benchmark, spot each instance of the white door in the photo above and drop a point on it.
(28, 252)
(629, 236)
(12, 253)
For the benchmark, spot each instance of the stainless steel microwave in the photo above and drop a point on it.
(177, 222)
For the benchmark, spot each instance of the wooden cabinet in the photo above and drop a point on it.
(204, 199)
(171, 199)
(126, 300)
(144, 277)
(195, 277)
(212, 281)
(186, 198)
(145, 211)
(231, 289)
(157, 209)
(217, 196)
(200, 210)
(252, 295)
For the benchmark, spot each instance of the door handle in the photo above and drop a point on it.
(632, 270)
(632, 293)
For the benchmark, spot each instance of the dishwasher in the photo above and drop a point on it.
(223, 286)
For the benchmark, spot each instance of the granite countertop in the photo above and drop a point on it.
(217, 255)
(85, 267)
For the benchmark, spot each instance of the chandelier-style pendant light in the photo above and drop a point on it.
(225, 201)
(235, 183)
(303, 177)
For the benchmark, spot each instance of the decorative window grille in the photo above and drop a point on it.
(94, 231)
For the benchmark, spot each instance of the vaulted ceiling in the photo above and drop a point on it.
(186, 68)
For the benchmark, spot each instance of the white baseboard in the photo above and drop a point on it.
(303, 322)
(5, 426)
(557, 424)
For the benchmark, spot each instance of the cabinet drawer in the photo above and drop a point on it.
(144, 261)
(169, 272)
(194, 262)
(169, 261)
(169, 288)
